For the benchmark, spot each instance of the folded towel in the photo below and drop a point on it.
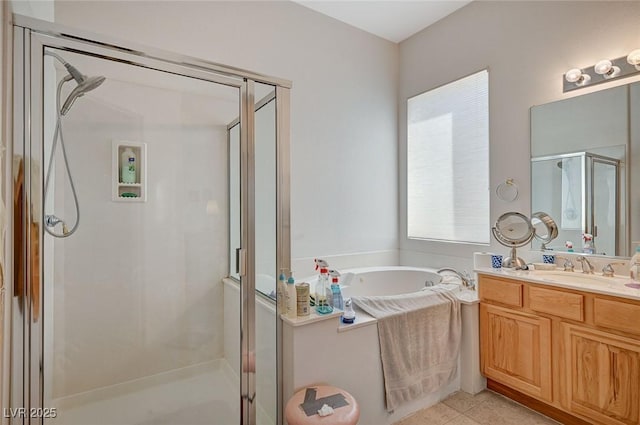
(419, 337)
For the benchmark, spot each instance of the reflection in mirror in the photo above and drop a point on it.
(545, 228)
(581, 189)
(585, 169)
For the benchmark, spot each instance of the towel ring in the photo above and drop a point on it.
(507, 191)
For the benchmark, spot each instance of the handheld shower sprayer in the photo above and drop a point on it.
(84, 85)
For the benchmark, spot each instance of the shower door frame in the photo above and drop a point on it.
(31, 37)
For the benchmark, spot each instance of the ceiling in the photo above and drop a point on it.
(394, 20)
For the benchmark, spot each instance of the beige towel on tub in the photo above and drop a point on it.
(419, 337)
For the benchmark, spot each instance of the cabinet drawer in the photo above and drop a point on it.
(501, 291)
(617, 315)
(558, 303)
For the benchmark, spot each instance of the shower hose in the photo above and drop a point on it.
(51, 220)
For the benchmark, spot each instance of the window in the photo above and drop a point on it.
(448, 162)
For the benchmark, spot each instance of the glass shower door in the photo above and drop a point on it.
(125, 227)
(126, 195)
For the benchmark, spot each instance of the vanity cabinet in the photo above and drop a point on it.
(602, 375)
(571, 354)
(517, 349)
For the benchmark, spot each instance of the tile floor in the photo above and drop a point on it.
(485, 408)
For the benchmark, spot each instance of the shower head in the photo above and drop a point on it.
(85, 84)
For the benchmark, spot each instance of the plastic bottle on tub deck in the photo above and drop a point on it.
(336, 294)
(322, 288)
(281, 293)
(292, 300)
(349, 315)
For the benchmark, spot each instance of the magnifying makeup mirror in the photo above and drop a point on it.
(513, 230)
(544, 228)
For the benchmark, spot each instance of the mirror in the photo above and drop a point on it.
(585, 168)
(513, 230)
(544, 228)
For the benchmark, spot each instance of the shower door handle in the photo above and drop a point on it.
(241, 261)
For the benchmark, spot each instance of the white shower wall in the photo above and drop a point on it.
(137, 289)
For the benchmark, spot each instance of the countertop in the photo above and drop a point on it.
(613, 286)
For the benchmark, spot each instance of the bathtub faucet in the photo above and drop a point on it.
(466, 280)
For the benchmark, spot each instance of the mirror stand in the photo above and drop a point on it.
(513, 261)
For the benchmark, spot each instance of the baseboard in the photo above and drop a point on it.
(537, 405)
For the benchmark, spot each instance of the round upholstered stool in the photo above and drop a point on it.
(302, 408)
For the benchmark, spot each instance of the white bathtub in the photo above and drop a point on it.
(381, 281)
(348, 356)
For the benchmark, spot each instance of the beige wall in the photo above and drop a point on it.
(527, 46)
(344, 110)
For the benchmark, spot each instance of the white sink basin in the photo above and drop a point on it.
(575, 277)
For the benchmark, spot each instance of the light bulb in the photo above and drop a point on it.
(584, 80)
(606, 69)
(573, 75)
(634, 59)
(603, 66)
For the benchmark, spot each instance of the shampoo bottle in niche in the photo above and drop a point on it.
(634, 264)
(128, 166)
(292, 304)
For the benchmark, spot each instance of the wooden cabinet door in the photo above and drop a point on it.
(602, 375)
(516, 350)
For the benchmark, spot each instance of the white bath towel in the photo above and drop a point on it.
(419, 337)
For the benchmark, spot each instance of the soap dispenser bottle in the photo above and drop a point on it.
(634, 264)
(281, 293)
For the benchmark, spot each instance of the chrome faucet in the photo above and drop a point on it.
(608, 271)
(567, 265)
(464, 277)
(587, 267)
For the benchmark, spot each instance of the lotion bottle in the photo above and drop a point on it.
(292, 301)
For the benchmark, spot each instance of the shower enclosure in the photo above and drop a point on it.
(135, 269)
(581, 191)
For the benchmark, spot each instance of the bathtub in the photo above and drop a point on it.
(348, 356)
(377, 281)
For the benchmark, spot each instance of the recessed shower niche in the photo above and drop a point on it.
(129, 171)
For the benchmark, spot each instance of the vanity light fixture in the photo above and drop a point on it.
(603, 71)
